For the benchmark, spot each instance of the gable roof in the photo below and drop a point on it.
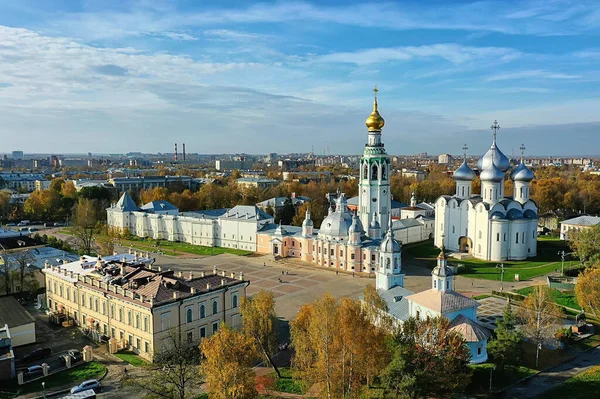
(13, 313)
(397, 302)
(126, 204)
(583, 221)
(443, 301)
(469, 329)
(159, 205)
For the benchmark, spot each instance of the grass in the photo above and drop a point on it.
(480, 381)
(66, 378)
(583, 385)
(131, 358)
(562, 298)
(546, 262)
(172, 248)
(287, 383)
(482, 296)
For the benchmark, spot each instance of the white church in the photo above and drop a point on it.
(491, 226)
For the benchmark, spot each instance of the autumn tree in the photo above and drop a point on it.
(174, 372)
(5, 203)
(587, 290)
(586, 244)
(68, 190)
(506, 345)
(539, 315)
(260, 323)
(428, 359)
(227, 365)
(85, 218)
(42, 204)
(298, 219)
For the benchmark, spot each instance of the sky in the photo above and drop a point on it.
(113, 76)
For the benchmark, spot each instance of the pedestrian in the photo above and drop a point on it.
(352, 274)
(471, 284)
(264, 264)
(336, 272)
(282, 273)
(125, 370)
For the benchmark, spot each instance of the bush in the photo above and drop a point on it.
(511, 295)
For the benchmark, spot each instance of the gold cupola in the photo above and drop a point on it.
(375, 122)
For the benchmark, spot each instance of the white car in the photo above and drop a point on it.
(85, 385)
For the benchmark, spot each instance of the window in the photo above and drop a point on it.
(418, 314)
(434, 283)
(366, 171)
(103, 307)
(215, 327)
(447, 284)
(129, 318)
(202, 311)
(120, 314)
(479, 350)
(504, 237)
(121, 334)
(452, 229)
(521, 191)
(372, 257)
(137, 321)
(202, 332)
(90, 302)
(480, 234)
(82, 299)
(234, 301)
(188, 315)
(352, 256)
(138, 343)
(145, 323)
(61, 290)
(130, 339)
(331, 252)
(215, 307)
(165, 321)
(374, 172)
(190, 336)
(112, 333)
(68, 294)
(517, 238)
(112, 311)
(497, 236)
(387, 263)
(533, 233)
(146, 347)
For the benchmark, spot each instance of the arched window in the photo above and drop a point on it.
(202, 311)
(434, 283)
(383, 172)
(366, 171)
(521, 190)
(234, 301)
(215, 307)
(387, 263)
(188, 315)
(374, 172)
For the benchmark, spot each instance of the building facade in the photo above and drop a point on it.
(491, 226)
(136, 304)
(577, 224)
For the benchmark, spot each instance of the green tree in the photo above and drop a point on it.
(287, 212)
(586, 244)
(260, 323)
(96, 193)
(506, 346)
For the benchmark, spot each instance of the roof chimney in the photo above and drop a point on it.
(222, 281)
(179, 274)
(215, 270)
(208, 286)
(191, 275)
(202, 274)
(232, 274)
(192, 290)
(241, 276)
(64, 262)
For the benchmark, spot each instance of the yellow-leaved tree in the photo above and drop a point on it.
(587, 290)
(227, 365)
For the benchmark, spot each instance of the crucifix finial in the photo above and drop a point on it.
(375, 90)
(465, 148)
(495, 128)
(522, 148)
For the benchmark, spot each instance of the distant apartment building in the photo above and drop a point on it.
(20, 181)
(567, 227)
(17, 155)
(444, 159)
(259, 182)
(288, 164)
(418, 175)
(136, 304)
(305, 176)
(222, 165)
(42, 185)
(122, 184)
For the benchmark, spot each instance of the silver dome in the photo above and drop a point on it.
(374, 224)
(336, 224)
(495, 156)
(389, 244)
(530, 214)
(492, 173)
(464, 173)
(514, 214)
(522, 173)
(356, 226)
(497, 215)
(307, 222)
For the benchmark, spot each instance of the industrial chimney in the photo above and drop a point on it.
(175, 152)
(183, 152)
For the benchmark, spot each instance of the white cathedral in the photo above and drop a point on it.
(490, 226)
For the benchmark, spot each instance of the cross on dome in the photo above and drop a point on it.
(495, 127)
(522, 148)
(465, 148)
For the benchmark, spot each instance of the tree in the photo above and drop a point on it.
(586, 244)
(42, 204)
(587, 290)
(85, 219)
(428, 359)
(68, 190)
(298, 219)
(22, 260)
(6, 270)
(227, 367)
(5, 203)
(539, 315)
(287, 213)
(174, 373)
(506, 346)
(106, 244)
(260, 323)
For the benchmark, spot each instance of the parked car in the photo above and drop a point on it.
(32, 229)
(10, 224)
(36, 354)
(58, 224)
(34, 371)
(23, 223)
(85, 385)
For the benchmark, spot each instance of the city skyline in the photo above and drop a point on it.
(106, 77)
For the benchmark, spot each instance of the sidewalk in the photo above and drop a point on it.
(548, 379)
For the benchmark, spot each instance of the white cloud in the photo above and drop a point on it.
(531, 74)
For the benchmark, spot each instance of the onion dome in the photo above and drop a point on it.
(497, 216)
(530, 214)
(522, 173)
(514, 214)
(389, 244)
(441, 270)
(355, 227)
(374, 224)
(495, 156)
(375, 122)
(492, 173)
(464, 173)
(307, 220)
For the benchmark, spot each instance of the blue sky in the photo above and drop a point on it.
(258, 77)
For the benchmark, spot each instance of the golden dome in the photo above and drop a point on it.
(375, 122)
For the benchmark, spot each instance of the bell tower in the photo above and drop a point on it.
(374, 199)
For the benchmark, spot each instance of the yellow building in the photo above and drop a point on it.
(127, 299)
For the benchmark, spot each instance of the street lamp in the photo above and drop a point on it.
(537, 355)
(563, 254)
(491, 372)
(44, 389)
(501, 267)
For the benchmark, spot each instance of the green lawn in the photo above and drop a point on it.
(562, 298)
(547, 261)
(582, 386)
(173, 248)
(131, 358)
(480, 381)
(287, 383)
(66, 378)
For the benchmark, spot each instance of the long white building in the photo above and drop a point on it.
(490, 226)
(229, 228)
